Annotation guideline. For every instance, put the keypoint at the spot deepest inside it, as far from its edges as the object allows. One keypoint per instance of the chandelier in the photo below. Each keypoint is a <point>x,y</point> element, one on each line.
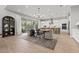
<point>37,13</point>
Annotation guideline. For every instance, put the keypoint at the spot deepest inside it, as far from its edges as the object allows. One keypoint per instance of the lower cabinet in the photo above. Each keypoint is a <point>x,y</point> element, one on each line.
<point>56,30</point>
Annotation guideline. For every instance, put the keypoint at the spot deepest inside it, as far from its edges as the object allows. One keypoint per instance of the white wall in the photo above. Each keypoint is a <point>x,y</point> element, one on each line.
<point>3,13</point>
<point>74,31</point>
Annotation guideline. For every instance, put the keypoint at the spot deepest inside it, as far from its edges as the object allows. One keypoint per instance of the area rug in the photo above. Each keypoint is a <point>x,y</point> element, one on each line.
<point>48,43</point>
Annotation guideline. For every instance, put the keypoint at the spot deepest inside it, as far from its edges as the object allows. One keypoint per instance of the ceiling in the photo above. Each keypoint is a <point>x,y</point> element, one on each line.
<point>40,11</point>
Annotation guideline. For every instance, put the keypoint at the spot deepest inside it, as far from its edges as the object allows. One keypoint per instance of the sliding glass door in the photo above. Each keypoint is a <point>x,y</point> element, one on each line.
<point>28,25</point>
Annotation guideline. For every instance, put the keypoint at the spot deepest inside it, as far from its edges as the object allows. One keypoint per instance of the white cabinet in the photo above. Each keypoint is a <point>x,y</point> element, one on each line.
<point>75,34</point>
<point>0,30</point>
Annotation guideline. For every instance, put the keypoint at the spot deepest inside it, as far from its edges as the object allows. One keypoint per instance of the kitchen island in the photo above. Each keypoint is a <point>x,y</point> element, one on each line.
<point>48,32</point>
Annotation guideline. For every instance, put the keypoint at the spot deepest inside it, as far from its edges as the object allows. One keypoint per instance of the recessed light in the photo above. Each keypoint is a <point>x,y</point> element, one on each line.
<point>18,10</point>
<point>26,6</point>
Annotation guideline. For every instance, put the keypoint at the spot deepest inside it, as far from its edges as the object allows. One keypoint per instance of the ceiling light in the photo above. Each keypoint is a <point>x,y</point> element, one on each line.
<point>19,10</point>
<point>26,6</point>
<point>48,9</point>
<point>62,5</point>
